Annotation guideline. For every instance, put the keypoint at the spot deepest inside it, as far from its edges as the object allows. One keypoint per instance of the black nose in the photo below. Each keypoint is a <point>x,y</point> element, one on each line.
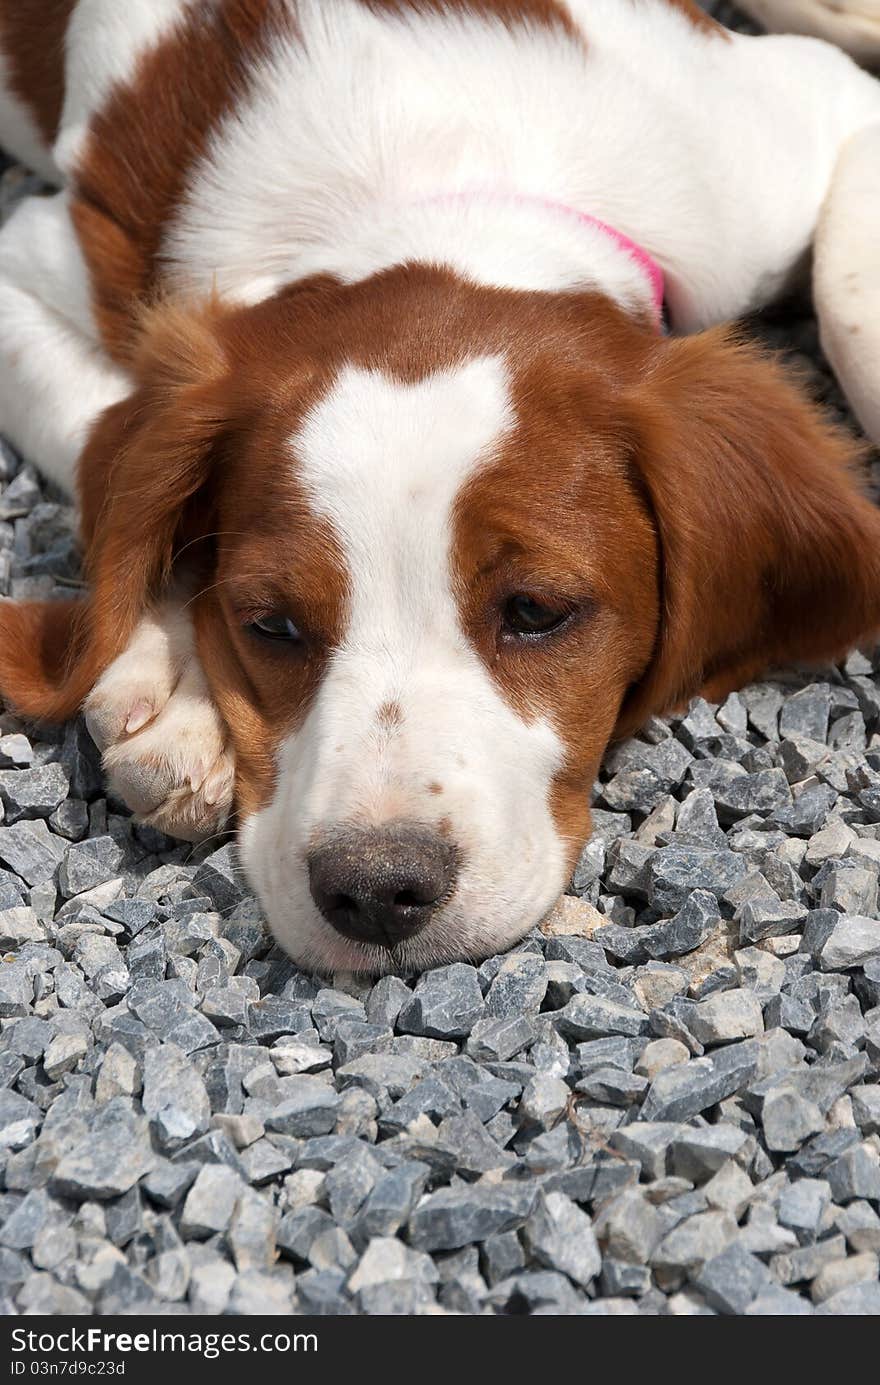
<point>382,885</point>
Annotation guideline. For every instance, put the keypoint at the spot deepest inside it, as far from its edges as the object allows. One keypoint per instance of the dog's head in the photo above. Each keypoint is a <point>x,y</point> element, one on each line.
<point>449,541</point>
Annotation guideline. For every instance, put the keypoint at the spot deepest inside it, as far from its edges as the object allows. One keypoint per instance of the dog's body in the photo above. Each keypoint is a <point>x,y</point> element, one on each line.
<point>327,137</point>
<point>399,215</point>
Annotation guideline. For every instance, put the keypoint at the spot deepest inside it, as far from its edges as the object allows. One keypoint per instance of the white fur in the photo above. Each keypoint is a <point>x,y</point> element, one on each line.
<point>164,745</point>
<point>383,462</point>
<point>54,377</point>
<point>846,276</point>
<point>714,155</point>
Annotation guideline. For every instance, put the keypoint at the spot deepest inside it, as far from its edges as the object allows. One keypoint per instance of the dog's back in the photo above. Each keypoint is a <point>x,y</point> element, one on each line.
<point>245,145</point>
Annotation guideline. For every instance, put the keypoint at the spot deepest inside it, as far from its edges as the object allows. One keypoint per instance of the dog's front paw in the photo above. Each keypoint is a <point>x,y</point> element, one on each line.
<point>165,748</point>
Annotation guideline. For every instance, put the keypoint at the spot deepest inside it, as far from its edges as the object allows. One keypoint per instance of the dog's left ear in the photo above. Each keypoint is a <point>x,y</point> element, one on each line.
<point>770,552</point>
<point>144,460</point>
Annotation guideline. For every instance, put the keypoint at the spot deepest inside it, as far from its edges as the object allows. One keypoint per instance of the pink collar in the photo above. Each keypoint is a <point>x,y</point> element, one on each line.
<point>645,261</point>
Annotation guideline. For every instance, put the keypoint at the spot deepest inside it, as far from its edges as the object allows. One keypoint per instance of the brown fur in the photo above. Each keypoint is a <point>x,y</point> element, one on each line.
<point>144,144</point>
<point>771,552</point>
<point>131,513</point>
<point>32,42</point>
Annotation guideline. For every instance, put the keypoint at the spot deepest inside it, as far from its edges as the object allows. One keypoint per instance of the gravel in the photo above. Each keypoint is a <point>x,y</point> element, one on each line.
<point>664,1101</point>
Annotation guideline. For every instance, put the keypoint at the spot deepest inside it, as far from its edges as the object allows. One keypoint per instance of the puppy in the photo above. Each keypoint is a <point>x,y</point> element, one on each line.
<point>397,503</point>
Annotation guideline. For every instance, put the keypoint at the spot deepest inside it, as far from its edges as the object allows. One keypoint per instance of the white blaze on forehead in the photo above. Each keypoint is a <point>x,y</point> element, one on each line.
<point>384,461</point>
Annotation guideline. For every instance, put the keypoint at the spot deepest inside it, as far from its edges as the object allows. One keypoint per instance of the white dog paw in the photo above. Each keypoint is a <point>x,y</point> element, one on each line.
<point>165,747</point>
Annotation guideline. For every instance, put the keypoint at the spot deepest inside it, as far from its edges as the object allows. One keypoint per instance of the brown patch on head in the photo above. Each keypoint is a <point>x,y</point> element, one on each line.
<point>32,34</point>
<point>559,516</point>
<point>434,787</point>
<point>272,555</point>
<point>696,517</point>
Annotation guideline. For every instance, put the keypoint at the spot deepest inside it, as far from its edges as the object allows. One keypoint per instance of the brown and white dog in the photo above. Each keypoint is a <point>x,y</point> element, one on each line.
<point>396,504</point>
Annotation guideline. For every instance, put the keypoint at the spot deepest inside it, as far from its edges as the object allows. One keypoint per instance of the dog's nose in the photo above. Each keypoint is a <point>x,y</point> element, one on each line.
<point>382,885</point>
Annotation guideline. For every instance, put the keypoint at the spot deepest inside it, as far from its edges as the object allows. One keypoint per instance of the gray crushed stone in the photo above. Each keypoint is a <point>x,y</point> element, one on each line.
<point>664,1101</point>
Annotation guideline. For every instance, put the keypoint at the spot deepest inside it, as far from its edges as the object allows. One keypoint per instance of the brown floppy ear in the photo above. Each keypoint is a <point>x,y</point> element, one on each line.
<point>144,458</point>
<point>770,550</point>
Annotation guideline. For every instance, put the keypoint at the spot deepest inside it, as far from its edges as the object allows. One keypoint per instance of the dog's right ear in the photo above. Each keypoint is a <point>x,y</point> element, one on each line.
<point>145,458</point>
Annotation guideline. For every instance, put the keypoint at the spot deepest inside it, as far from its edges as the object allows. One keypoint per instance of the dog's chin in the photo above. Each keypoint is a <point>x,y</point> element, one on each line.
<point>487,915</point>
<point>314,946</point>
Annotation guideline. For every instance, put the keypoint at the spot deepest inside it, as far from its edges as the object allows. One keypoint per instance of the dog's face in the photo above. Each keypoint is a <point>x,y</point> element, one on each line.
<point>449,541</point>
<point>436,582</point>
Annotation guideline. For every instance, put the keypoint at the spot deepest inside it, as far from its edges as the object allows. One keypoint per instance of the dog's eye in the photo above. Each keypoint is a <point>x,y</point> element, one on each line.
<point>275,628</point>
<point>523,615</point>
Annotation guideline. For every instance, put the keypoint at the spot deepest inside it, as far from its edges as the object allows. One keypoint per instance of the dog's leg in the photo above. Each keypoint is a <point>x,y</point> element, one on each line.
<point>54,377</point>
<point>164,744</point>
<point>847,275</point>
